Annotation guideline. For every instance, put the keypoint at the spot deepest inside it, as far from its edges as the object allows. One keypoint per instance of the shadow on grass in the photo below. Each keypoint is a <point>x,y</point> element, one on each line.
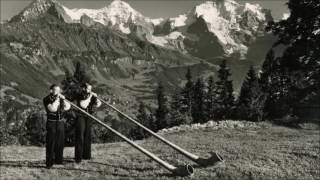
<point>23,163</point>
<point>41,164</point>
<point>142,169</point>
<point>152,171</point>
<point>295,123</point>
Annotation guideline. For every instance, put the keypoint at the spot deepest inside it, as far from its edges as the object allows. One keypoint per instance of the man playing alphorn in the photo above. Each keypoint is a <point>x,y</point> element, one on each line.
<point>54,105</point>
<point>86,100</point>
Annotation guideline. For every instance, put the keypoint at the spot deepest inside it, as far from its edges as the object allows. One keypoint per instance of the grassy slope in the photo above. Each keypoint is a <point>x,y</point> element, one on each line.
<point>271,152</point>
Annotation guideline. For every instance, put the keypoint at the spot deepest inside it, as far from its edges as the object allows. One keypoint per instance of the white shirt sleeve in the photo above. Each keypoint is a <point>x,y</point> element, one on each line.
<point>67,106</point>
<point>85,103</point>
<point>54,106</point>
<point>98,103</point>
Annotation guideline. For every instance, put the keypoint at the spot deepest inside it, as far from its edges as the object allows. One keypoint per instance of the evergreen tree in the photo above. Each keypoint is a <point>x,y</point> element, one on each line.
<point>162,110</point>
<point>152,121</point>
<point>176,117</point>
<point>267,69</point>
<point>176,100</point>
<point>186,94</point>
<point>198,108</point>
<point>269,85</point>
<point>247,87</point>
<point>250,94</point>
<point>210,99</point>
<point>295,81</point>
<point>224,91</point>
<point>143,118</point>
<point>71,85</point>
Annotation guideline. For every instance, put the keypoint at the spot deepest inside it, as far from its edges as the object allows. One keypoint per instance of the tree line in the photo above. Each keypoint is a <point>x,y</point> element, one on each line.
<point>287,86</point>
<point>202,100</point>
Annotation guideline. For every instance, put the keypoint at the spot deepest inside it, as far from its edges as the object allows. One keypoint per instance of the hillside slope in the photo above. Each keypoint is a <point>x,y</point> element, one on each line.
<point>263,151</point>
<point>44,40</point>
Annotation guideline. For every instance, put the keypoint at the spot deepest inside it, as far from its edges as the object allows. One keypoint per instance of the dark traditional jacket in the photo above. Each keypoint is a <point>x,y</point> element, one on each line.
<point>92,103</point>
<point>53,115</point>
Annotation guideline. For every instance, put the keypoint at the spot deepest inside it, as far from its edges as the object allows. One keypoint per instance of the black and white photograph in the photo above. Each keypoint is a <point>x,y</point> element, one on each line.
<point>160,89</point>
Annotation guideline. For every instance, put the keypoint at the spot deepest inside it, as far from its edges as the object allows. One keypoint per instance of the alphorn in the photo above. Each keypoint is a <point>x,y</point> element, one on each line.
<point>212,160</point>
<point>186,170</point>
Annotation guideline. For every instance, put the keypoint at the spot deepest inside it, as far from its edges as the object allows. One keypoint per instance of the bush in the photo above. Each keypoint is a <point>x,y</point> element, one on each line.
<point>36,128</point>
<point>12,122</point>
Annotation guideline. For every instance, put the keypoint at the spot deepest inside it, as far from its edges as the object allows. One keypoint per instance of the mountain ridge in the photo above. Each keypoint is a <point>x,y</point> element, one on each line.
<point>235,26</point>
<point>122,65</point>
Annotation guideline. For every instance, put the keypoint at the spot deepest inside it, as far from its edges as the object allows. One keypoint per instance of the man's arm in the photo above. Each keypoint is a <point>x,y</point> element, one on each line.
<point>96,100</point>
<point>66,105</point>
<point>85,103</point>
<point>53,107</point>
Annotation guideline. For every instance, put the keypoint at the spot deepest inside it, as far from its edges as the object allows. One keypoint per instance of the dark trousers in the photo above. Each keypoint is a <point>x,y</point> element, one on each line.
<point>54,142</point>
<point>83,138</point>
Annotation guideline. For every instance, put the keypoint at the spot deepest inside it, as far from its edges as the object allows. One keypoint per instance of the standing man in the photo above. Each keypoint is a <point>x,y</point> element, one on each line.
<point>87,100</point>
<point>54,105</point>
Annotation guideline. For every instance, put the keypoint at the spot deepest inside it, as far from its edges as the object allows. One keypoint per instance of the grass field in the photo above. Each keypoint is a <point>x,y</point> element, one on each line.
<point>264,152</point>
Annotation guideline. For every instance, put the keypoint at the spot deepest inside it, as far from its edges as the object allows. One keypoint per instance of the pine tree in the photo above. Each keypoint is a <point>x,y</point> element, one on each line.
<point>162,110</point>
<point>224,91</point>
<point>250,95</point>
<point>186,95</point>
<point>176,117</point>
<point>246,90</point>
<point>293,83</point>
<point>268,83</point>
<point>198,108</point>
<point>71,85</point>
<point>210,99</point>
<point>176,100</point>
<point>143,118</point>
<point>80,74</point>
<point>267,69</point>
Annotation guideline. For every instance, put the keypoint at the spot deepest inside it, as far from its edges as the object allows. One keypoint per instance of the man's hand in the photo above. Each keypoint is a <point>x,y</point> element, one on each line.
<point>94,94</point>
<point>62,96</point>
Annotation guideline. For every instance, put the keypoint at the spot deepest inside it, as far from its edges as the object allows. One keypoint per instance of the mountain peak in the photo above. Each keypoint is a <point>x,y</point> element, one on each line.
<point>228,20</point>
<point>216,7</point>
<point>121,8</point>
<point>119,4</point>
<point>40,5</point>
<point>256,9</point>
<point>117,14</point>
<point>34,9</point>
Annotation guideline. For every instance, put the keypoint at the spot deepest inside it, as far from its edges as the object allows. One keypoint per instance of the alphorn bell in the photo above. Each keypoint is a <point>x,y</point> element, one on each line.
<point>186,170</point>
<point>212,160</point>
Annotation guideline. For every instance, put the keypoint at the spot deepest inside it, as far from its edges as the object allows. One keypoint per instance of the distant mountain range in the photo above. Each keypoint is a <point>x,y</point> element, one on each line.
<point>223,24</point>
<point>125,52</point>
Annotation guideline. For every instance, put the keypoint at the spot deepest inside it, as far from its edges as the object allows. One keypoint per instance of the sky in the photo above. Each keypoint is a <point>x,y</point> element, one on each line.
<point>149,8</point>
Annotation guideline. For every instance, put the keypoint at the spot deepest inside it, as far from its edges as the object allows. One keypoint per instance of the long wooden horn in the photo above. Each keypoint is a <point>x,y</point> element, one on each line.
<point>186,170</point>
<point>212,160</point>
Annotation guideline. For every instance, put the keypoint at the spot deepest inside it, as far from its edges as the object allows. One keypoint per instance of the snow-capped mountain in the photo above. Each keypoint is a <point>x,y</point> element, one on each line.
<point>117,43</point>
<point>118,14</point>
<point>213,28</point>
<point>40,7</point>
<point>235,26</point>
